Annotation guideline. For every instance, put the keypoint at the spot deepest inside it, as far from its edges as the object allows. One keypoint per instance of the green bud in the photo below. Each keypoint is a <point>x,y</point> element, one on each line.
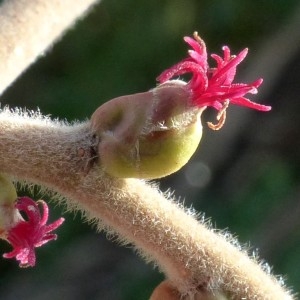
<point>8,192</point>
<point>147,135</point>
<point>8,196</point>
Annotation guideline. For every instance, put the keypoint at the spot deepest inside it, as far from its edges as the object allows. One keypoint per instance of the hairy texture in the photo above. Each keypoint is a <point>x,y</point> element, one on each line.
<point>29,27</point>
<point>193,256</point>
<point>60,157</point>
<point>166,291</point>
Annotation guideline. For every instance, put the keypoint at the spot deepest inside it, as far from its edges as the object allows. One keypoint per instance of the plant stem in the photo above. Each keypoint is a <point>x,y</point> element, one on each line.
<point>190,254</point>
<point>60,157</point>
<point>29,27</point>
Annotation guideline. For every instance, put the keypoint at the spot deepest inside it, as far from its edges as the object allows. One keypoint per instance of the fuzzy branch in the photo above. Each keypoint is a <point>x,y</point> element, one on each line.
<point>192,256</point>
<point>59,157</point>
<point>29,27</point>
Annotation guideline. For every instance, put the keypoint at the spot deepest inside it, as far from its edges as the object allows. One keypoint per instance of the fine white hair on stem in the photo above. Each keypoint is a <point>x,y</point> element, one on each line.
<point>29,27</point>
<point>54,154</point>
<point>191,253</point>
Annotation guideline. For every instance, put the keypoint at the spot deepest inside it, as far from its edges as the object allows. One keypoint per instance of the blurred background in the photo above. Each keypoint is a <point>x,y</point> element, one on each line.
<point>245,177</point>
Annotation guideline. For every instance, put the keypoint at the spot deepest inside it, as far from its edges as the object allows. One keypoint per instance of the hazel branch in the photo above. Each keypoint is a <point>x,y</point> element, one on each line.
<point>192,255</point>
<point>29,27</point>
<point>60,157</point>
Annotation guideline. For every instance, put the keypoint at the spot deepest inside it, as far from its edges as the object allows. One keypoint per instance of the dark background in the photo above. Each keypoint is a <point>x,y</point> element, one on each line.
<point>245,177</point>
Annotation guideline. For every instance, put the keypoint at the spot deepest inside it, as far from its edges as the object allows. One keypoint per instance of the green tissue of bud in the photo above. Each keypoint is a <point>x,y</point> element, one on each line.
<point>8,192</point>
<point>148,135</point>
<point>155,155</point>
<point>8,196</point>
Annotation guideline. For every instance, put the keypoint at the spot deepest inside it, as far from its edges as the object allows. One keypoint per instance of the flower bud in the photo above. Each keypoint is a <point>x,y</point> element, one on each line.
<point>8,196</point>
<point>153,134</point>
<point>147,135</point>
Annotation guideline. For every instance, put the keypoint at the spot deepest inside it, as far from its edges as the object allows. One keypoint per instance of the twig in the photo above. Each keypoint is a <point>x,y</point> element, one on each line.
<point>60,157</point>
<point>188,252</point>
<point>29,27</point>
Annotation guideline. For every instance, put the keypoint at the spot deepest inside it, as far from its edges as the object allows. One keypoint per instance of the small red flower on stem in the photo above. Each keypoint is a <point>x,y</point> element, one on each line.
<point>213,86</point>
<point>28,234</point>
<point>153,134</point>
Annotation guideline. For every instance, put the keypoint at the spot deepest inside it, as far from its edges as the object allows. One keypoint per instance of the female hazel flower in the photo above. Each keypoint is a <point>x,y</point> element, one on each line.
<point>25,235</point>
<point>153,134</point>
<point>213,86</point>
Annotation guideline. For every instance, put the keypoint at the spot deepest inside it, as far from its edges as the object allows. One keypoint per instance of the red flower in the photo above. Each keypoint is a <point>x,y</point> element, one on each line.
<point>213,86</point>
<point>26,235</point>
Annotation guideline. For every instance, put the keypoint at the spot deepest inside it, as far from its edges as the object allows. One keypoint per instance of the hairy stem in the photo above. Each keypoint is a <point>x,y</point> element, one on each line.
<point>29,27</point>
<point>60,157</point>
<point>192,256</point>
